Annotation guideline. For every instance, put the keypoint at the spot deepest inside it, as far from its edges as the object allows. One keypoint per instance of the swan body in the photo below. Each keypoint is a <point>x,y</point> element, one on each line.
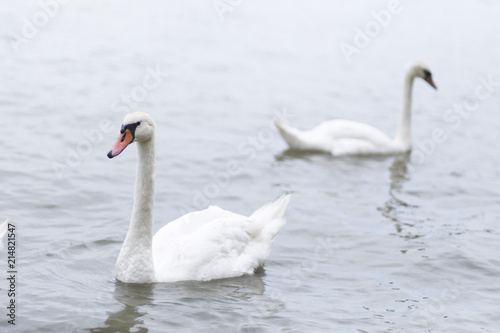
<point>204,245</point>
<point>344,137</point>
<point>339,137</point>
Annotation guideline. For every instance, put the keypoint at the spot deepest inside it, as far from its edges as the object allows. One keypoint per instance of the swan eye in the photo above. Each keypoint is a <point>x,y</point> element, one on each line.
<point>130,127</point>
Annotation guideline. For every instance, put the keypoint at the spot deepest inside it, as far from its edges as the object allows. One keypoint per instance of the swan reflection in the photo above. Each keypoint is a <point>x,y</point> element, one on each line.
<point>132,296</point>
<point>399,173</point>
<point>185,301</point>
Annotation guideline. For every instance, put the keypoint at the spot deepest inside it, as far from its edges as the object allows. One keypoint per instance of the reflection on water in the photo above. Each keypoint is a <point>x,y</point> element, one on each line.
<point>398,175</point>
<point>133,296</point>
<point>289,154</point>
<point>188,296</point>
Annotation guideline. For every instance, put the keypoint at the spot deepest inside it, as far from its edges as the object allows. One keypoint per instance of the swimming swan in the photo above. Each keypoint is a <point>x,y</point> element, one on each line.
<point>344,137</point>
<point>204,245</point>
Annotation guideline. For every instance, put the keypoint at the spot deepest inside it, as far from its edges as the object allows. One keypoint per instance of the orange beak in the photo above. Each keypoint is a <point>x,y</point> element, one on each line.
<point>429,80</point>
<point>123,141</point>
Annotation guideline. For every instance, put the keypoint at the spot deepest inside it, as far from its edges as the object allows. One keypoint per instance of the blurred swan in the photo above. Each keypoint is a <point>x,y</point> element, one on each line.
<point>204,245</point>
<point>344,137</point>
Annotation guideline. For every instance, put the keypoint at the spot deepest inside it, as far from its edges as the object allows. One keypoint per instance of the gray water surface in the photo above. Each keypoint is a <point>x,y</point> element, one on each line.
<point>394,244</point>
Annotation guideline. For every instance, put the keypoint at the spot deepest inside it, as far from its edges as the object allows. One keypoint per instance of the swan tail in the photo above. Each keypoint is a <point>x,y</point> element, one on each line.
<point>297,139</point>
<point>270,217</point>
<point>273,210</point>
<point>292,136</point>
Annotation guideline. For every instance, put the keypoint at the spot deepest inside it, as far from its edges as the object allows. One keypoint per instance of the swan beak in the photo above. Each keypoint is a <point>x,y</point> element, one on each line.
<point>123,141</point>
<point>428,78</point>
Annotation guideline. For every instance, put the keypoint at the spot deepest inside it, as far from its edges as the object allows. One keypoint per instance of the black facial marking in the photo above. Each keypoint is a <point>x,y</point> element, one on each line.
<point>427,73</point>
<point>131,128</point>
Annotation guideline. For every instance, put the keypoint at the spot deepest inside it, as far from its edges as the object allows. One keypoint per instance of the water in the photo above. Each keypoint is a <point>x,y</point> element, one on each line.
<point>397,244</point>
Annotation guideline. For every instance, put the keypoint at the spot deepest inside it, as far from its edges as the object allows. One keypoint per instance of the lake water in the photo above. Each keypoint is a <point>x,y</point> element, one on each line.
<point>396,244</point>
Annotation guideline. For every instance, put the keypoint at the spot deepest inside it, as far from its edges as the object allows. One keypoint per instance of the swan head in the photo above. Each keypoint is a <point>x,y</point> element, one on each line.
<point>137,127</point>
<point>421,70</point>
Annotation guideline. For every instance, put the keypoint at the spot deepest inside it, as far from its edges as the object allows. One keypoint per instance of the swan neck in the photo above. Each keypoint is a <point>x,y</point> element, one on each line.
<point>142,214</point>
<point>403,132</point>
<point>135,262</point>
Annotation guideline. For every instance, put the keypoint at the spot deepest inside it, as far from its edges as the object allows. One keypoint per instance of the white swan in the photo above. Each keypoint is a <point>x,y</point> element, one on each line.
<point>204,245</point>
<point>344,137</point>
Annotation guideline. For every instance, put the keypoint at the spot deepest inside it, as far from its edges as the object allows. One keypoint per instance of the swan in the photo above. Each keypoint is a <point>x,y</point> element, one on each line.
<point>342,137</point>
<point>209,244</point>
